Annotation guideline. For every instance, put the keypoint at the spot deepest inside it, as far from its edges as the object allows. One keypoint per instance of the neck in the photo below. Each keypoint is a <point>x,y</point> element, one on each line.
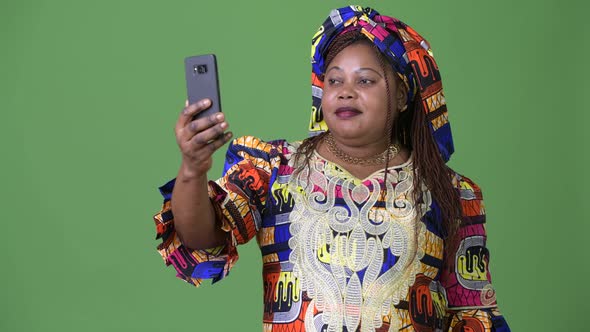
<point>375,153</point>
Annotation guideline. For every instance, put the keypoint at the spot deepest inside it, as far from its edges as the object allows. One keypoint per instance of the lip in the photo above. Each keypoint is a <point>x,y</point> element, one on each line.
<point>347,112</point>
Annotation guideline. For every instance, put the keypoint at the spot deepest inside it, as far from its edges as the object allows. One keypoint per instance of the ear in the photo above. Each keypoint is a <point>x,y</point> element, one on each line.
<point>402,96</point>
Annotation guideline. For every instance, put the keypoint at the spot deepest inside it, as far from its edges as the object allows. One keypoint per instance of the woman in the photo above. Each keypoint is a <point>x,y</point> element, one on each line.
<point>362,226</point>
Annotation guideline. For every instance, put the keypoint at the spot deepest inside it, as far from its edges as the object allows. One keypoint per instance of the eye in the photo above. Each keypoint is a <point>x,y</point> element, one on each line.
<point>332,81</point>
<point>366,81</point>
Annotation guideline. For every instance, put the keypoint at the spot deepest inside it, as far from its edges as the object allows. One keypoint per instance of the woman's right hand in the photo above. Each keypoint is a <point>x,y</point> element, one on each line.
<point>198,139</point>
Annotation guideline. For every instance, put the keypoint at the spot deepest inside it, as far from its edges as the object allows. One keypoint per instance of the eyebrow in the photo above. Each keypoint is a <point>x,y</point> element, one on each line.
<point>358,70</point>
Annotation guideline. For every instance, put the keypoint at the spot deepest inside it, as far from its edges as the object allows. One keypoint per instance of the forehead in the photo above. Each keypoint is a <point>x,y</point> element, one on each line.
<point>356,54</point>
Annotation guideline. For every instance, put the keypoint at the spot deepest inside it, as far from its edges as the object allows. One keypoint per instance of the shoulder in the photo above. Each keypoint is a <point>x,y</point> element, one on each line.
<point>248,147</point>
<point>471,198</point>
<point>468,189</point>
<point>254,142</point>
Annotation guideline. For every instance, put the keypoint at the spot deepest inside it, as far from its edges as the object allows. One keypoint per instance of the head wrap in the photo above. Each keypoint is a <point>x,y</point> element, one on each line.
<point>407,51</point>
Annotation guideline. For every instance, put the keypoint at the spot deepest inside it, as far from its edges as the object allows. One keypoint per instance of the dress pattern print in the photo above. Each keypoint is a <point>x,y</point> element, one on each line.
<point>341,253</point>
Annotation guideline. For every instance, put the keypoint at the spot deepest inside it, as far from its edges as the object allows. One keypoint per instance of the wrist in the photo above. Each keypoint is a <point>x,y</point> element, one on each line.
<point>188,174</point>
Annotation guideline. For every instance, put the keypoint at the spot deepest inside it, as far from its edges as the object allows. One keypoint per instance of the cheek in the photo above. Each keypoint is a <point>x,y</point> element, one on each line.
<point>327,97</point>
<point>380,109</point>
<point>377,101</point>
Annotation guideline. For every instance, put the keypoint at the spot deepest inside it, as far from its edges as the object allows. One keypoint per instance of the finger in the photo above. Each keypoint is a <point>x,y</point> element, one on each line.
<point>199,125</point>
<point>206,136</point>
<point>191,110</point>
<point>215,144</point>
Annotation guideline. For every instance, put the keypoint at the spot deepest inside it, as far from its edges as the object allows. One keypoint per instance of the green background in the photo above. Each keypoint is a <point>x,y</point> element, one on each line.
<point>90,91</point>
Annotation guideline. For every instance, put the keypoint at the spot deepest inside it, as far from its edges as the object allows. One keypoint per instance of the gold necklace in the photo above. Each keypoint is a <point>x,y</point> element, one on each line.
<point>377,159</point>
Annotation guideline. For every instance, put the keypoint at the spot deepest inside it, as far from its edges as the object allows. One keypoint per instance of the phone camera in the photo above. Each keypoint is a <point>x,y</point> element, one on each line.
<point>200,69</point>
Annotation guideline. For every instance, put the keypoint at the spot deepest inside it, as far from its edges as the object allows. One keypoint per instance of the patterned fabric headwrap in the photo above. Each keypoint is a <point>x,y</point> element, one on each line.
<point>407,51</point>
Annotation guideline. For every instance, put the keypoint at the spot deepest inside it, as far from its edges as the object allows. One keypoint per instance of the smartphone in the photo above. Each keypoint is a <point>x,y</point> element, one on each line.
<point>202,81</point>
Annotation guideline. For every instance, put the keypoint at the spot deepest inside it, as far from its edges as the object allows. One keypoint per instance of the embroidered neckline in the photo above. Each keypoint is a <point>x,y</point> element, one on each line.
<point>377,174</point>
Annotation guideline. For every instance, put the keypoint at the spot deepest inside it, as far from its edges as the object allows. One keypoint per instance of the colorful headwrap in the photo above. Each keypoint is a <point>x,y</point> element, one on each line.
<point>407,51</point>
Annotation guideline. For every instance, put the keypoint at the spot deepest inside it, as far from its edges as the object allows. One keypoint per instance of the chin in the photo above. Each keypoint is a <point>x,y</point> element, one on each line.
<point>349,135</point>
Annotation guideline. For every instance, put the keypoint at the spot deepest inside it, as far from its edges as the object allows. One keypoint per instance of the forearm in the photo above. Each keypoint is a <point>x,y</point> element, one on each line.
<point>194,216</point>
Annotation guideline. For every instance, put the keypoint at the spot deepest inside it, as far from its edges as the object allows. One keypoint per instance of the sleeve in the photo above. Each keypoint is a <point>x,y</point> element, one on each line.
<point>465,274</point>
<point>238,198</point>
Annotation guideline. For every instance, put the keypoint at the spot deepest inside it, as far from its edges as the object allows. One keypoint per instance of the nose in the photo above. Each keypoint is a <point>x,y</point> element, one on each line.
<point>346,92</point>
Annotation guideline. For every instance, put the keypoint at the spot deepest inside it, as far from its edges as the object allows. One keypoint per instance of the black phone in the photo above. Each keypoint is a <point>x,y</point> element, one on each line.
<point>202,81</point>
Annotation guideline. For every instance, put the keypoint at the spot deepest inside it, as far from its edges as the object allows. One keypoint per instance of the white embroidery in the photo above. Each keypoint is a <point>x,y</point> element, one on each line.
<point>330,244</point>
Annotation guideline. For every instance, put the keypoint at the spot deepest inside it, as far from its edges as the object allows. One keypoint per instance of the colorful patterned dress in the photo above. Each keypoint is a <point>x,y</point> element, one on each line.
<point>341,253</point>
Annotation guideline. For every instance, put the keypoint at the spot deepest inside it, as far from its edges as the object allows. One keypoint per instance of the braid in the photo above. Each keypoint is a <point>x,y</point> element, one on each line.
<point>305,150</point>
<point>436,175</point>
<point>389,132</point>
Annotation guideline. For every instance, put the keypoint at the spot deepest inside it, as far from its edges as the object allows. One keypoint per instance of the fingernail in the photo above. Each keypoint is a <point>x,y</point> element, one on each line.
<point>219,116</point>
<point>206,102</point>
<point>223,125</point>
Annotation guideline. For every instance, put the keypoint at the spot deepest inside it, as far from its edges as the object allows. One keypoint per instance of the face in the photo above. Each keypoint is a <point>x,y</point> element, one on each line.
<point>354,102</point>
